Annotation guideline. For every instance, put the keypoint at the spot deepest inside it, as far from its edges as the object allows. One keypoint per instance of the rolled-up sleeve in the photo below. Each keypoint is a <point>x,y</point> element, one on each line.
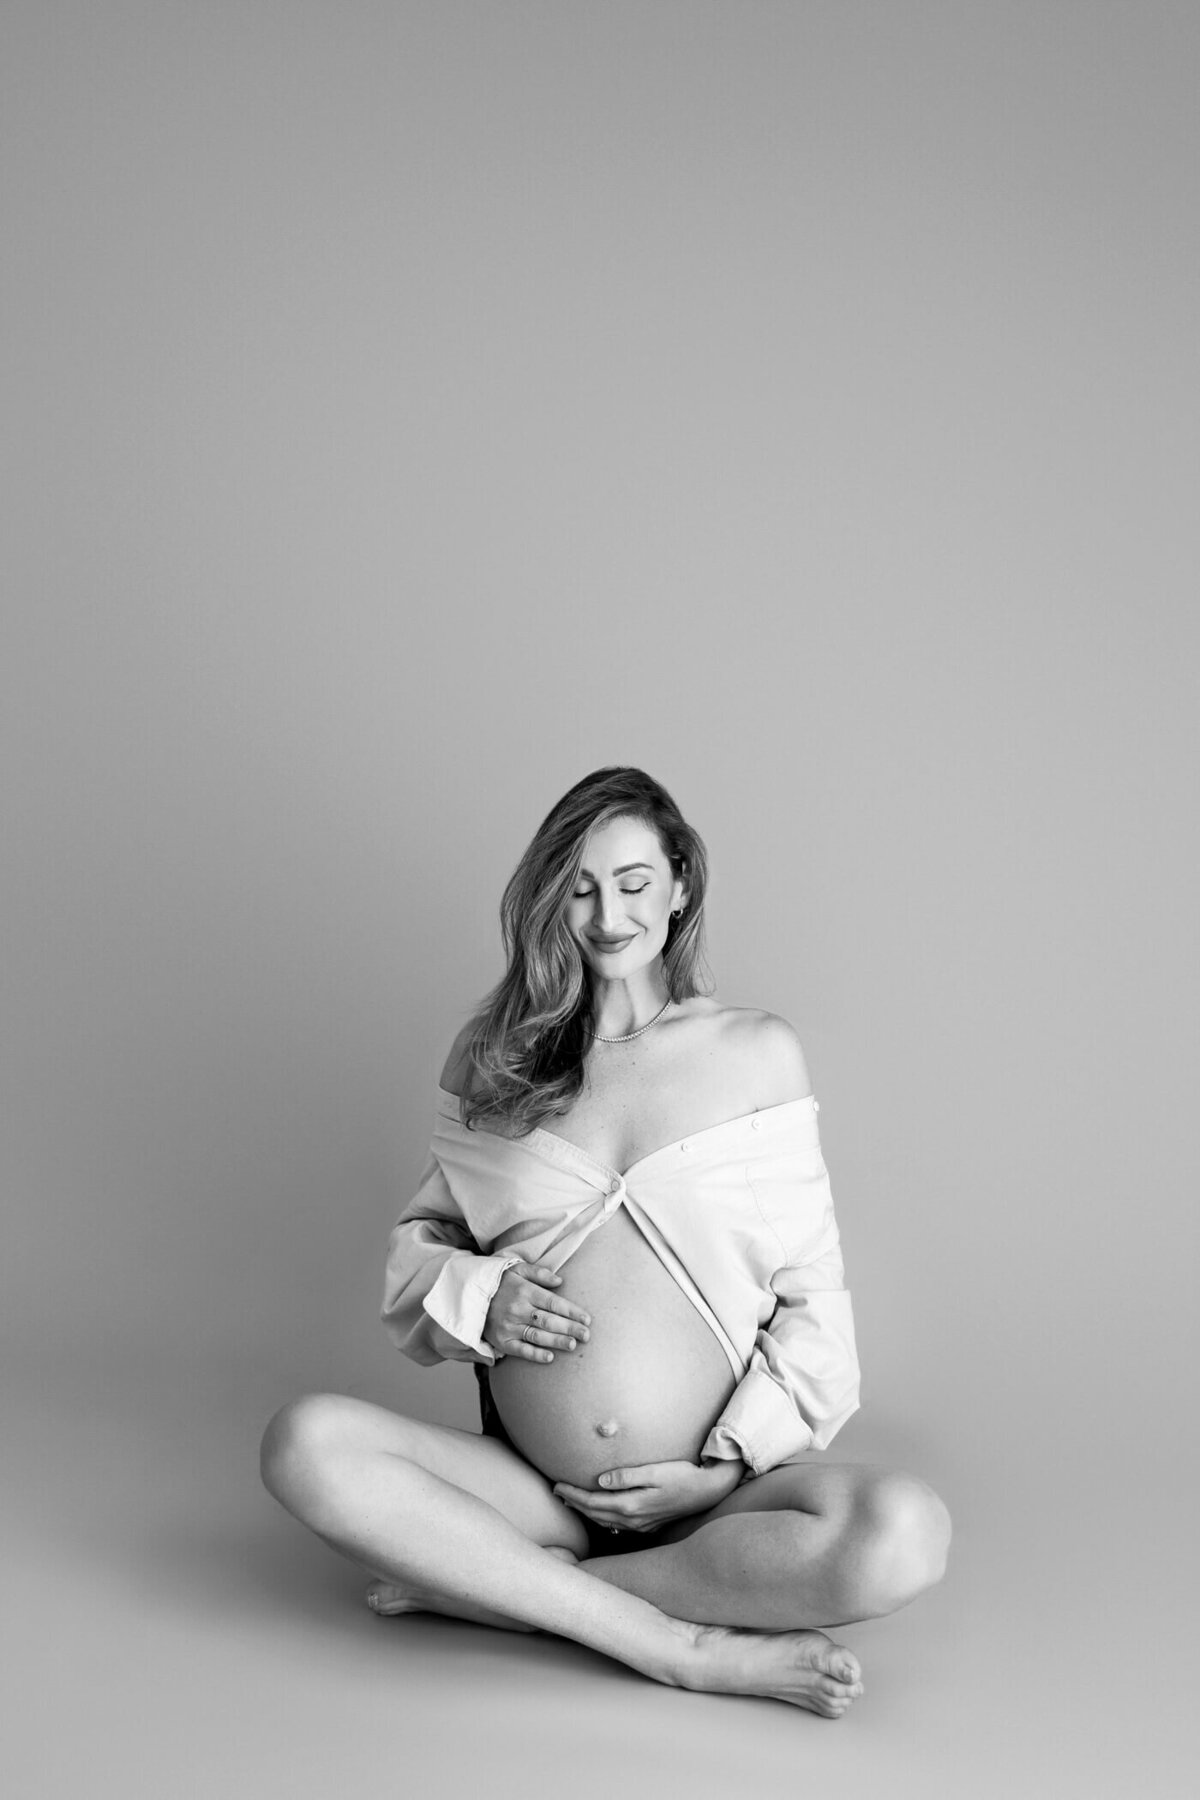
<point>802,1382</point>
<point>438,1285</point>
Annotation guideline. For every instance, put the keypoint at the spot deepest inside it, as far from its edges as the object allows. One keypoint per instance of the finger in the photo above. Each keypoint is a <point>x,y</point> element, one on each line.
<point>537,1272</point>
<point>583,1502</point>
<point>520,1346</point>
<point>584,1510</point>
<point>646,1476</point>
<point>600,1505</point>
<point>575,1496</point>
<point>540,1330</point>
<point>546,1318</point>
<point>568,1309</point>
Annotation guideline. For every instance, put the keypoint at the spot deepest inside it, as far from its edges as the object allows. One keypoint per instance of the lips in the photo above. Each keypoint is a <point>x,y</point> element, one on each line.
<point>611,945</point>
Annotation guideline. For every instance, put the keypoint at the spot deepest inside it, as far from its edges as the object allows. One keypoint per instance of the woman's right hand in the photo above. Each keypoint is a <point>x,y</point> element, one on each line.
<point>526,1318</point>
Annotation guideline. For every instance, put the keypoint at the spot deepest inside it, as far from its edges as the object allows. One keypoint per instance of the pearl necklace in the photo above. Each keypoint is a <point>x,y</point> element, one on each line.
<point>630,1035</point>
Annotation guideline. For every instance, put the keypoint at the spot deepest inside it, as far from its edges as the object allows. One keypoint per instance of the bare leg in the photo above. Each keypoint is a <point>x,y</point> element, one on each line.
<point>349,1471</point>
<point>305,1441</point>
<point>807,1544</point>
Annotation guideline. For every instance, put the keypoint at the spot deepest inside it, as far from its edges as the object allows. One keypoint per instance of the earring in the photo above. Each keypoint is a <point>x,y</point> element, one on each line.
<point>677,912</point>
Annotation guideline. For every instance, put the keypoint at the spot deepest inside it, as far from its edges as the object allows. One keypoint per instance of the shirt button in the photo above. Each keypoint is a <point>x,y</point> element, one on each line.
<point>614,1187</point>
<point>685,1146</point>
<point>756,1123</point>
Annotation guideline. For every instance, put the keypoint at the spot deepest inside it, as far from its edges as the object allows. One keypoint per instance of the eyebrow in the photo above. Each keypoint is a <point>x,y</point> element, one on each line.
<point>625,869</point>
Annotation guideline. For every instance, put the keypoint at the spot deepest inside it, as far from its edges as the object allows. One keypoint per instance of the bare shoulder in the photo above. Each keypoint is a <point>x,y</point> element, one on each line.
<point>457,1066</point>
<point>767,1053</point>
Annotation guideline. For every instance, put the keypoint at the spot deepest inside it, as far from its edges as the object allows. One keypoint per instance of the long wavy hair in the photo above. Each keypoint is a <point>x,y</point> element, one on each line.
<point>525,1056</point>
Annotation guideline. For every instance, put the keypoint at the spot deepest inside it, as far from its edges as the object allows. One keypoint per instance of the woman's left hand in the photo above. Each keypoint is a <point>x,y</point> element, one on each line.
<point>644,1498</point>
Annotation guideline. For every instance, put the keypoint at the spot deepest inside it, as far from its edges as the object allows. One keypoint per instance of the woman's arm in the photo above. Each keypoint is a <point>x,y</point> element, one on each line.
<point>803,1380</point>
<point>438,1285</point>
<point>447,1301</point>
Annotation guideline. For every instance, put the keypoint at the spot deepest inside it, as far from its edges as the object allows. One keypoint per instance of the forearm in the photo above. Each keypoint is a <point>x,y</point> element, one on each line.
<point>723,1475</point>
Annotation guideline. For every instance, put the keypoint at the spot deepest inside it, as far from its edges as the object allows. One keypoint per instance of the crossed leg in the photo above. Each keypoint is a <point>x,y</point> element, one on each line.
<point>810,1543</point>
<point>459,1524</point>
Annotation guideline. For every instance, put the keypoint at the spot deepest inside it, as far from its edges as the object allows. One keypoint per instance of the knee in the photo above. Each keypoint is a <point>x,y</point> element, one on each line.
<point>903,1532</point>
<point>299,1444</point>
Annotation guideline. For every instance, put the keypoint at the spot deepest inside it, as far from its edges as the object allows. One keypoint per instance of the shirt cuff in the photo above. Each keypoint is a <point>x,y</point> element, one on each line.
<point>760,1424</point>
<point>459,1299</point>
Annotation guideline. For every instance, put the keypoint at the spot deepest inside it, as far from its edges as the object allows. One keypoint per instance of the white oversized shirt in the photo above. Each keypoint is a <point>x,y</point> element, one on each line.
<point>740,1214</point>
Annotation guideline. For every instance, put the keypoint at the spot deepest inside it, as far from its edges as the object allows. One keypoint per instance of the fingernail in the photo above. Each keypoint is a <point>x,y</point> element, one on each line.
<point>570,1343</point>
<point>605,1481</point>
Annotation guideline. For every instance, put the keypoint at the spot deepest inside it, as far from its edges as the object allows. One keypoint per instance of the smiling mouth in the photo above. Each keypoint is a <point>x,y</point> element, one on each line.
<point>611,944</point>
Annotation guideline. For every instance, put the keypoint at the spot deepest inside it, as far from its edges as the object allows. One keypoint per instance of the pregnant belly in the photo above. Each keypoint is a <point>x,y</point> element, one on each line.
<point>653,1375</point>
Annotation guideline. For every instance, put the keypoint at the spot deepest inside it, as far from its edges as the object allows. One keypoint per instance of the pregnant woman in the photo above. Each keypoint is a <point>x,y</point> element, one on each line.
<point>625,1224</point>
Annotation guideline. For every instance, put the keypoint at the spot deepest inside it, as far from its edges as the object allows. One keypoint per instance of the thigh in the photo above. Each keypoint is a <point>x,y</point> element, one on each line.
<point>826,1490</point>
<point>483,1466</point>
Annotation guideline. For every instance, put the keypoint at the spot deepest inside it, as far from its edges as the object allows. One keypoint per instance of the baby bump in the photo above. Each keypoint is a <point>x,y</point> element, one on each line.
<point>647,1387</point>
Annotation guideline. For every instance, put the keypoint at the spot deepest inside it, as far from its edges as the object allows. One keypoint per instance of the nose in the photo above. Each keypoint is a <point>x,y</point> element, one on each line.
<point>609,913</point>
<point>608,916</point>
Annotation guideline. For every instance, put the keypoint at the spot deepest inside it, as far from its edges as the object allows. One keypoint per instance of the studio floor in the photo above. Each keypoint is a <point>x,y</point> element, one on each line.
<point>169,1632</point>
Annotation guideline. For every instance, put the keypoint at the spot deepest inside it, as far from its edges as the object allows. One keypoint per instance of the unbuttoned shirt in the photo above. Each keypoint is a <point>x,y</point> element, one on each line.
<point>740,1214</point>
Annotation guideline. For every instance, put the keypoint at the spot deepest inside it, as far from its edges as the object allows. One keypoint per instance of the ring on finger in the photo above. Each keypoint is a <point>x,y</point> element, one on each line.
<point>525,1334</point>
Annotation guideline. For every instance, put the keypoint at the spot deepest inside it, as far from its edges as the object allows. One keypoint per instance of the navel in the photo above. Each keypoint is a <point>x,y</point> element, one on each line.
<point>609,1428</point>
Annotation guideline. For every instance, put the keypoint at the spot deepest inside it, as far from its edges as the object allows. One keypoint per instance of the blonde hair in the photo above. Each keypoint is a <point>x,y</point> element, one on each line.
<point>525,1055</point>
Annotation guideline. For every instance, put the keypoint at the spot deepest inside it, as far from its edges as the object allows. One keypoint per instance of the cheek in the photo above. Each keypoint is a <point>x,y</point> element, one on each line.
<point>655,923</point>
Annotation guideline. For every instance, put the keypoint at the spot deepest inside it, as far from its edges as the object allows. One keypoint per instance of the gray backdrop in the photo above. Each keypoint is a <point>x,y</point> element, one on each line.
<point>409,408</point>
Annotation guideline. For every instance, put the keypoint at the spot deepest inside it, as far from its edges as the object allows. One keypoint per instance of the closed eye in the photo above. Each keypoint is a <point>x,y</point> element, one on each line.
<point>640,890</point>
<point>588,892</point>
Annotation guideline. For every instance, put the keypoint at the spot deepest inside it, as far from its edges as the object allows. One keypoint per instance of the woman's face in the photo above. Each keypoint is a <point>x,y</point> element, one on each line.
<point>620,908</point>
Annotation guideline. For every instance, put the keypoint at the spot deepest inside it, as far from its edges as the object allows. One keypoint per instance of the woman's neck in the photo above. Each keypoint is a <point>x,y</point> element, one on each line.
<point>619,1007</point>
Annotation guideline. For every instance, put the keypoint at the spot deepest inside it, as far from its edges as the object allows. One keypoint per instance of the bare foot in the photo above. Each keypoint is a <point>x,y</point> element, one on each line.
<point>805,1668</point>
<point>390,1600</point>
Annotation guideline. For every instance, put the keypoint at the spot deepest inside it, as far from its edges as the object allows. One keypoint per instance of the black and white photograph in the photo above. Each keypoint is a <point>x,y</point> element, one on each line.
<point>599,726</point>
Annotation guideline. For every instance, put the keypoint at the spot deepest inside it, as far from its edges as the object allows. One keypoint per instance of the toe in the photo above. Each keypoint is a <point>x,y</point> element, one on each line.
<point>382,1597</point>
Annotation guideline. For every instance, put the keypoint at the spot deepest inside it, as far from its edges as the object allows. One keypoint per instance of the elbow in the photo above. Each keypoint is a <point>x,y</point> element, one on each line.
<point>411,1336</point>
